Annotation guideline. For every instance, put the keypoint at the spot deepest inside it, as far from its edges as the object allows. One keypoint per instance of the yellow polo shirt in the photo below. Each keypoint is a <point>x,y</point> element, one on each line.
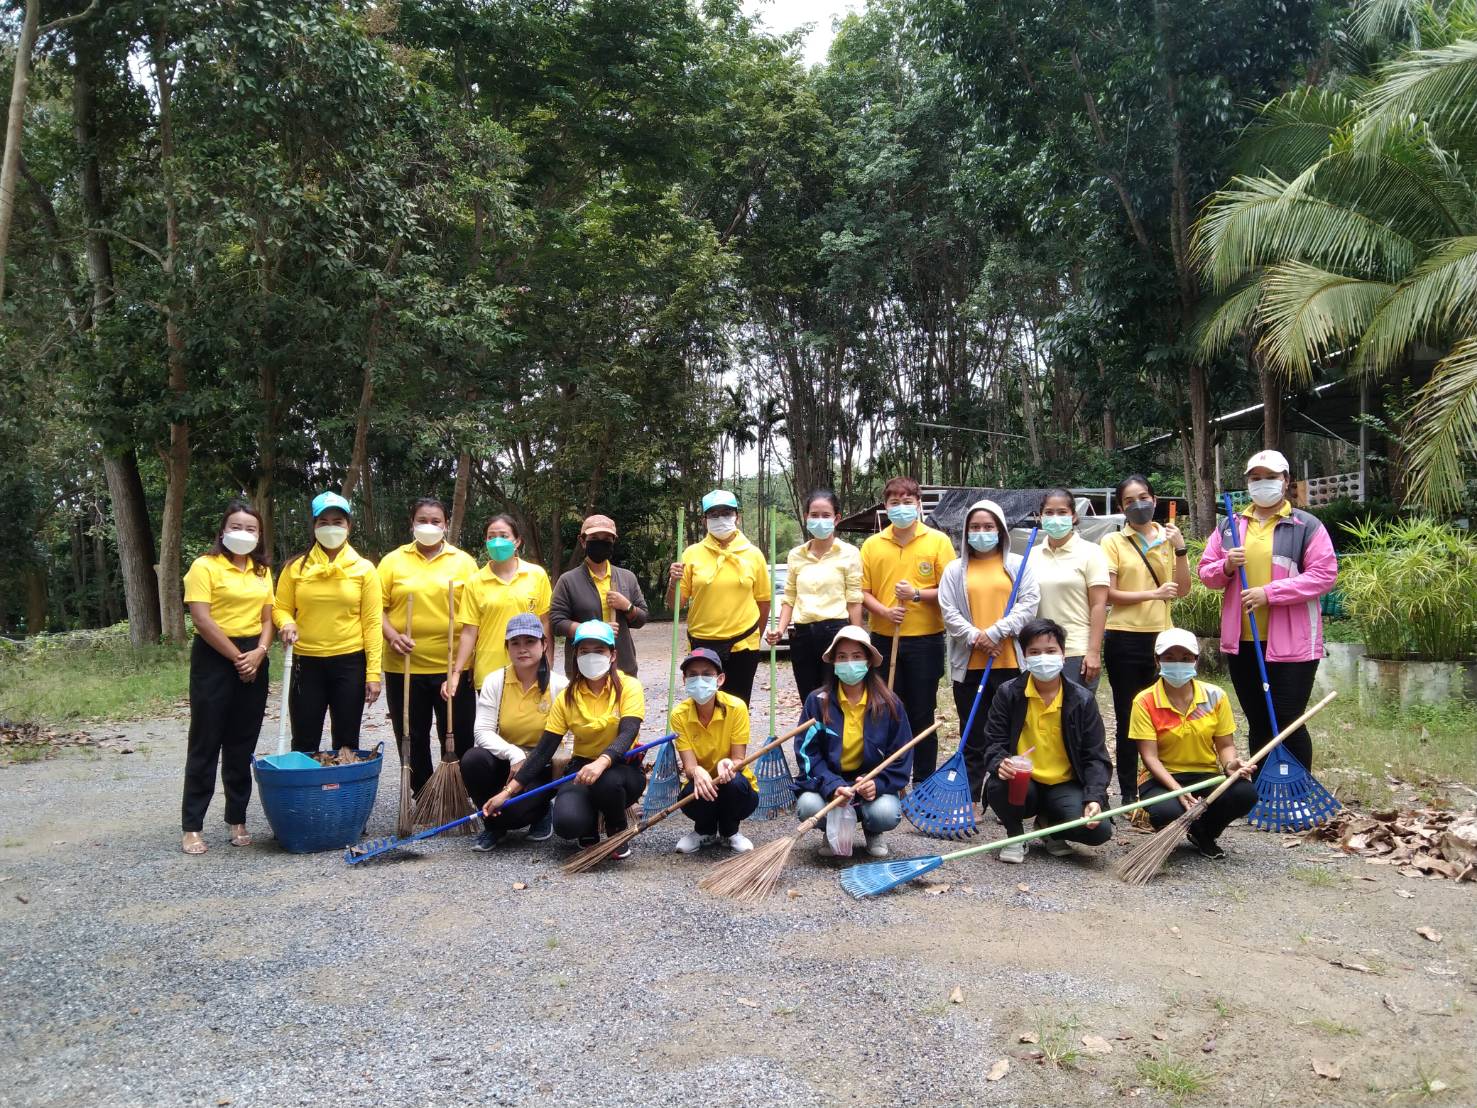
<point>725,586</point>
<point>1256,538</point>
<point>406,572</point>
<point>236,596</point>
<point>1043,730</point>
<point>710,744</point>
<point>593,718</point>
<point>487,602</point>
<point>820,587</point>
<point>1186,740</point>
<point>988,587</point>
<point>921,562</point>
<point>602,586</point>
<point>852,717</point>
<point>1064,575</point>
<point>523,714</point>
<point>1147,615</point>
<point>336,605</point>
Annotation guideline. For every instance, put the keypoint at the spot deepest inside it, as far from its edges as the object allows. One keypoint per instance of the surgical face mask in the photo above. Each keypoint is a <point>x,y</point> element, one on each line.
<point>593,666</point>
<point>331,537</point>
<point>1045,667</point>
<point>428,534</point>
<point>1058,527</point>
<point>984,541</point>
<point>599,550</point>
<point>851,673</point>
<point>1139,511</point>
<point>821,528</point>
<point>239,542</point>
<point>1177,674</point>
<point>1264,494</point>
<point>500,549</point>
<point>720,527</point>
<point>701,687</point>
<point>902,515</point>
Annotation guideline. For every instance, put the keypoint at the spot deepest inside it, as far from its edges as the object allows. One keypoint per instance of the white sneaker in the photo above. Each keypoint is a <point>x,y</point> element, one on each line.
<point>1015,853</point>
<point>689,843</point>
<point>1058,848</point>
<point>739,843</point>
<point>876,847</point>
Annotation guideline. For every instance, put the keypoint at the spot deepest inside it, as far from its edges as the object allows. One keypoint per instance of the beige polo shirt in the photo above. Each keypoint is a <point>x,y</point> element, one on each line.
<point>1065,574</point>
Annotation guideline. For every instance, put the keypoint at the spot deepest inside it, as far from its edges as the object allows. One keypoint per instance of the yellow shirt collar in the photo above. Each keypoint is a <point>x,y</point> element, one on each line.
<point>1033,693</point>
<point>1283,511</point>
<point>1161,696</point>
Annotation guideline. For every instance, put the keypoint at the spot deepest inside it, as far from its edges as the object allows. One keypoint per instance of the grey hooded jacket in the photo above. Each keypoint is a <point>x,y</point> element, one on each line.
<point>954,600</point>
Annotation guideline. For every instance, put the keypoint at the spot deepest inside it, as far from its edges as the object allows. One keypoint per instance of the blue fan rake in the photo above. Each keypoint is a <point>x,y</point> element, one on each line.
<point>772,770</point>
<point>664,783</point>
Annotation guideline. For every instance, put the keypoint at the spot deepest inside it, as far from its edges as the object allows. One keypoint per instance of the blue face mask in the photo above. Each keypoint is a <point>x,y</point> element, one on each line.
<point>1058,527</point>
<point>984,541</point>
<point>902,515</point>
<point>701,687</point>
<point>852,673</point>
<point>821,528</point>
<point>1178,674</point>
<point>500,549</point>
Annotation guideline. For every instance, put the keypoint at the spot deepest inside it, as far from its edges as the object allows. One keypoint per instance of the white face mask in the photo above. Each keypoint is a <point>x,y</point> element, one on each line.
<point>720,527</point>
<point>331,537</point>
<point>593,666</point>
<point>701,687</point>
<point>1045,667</point>
<point>428,534</point>
<point>1264,494</point>
<point>239,542</point>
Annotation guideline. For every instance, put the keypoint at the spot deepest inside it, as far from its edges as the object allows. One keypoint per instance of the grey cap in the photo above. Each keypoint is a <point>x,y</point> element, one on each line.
<point>524,623</point>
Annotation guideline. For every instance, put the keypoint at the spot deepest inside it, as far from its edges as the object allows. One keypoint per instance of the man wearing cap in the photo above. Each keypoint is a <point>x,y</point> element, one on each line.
<point>1290,563</point>
<point>712,736</point>
<point>599,590</point>
<point>725,580</point>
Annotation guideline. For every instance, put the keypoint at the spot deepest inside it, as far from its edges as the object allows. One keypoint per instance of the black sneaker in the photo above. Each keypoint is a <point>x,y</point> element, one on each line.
<point>543,829</point>
<point>588,840</point>
<point>1207,846</point>
<point>487,839</point>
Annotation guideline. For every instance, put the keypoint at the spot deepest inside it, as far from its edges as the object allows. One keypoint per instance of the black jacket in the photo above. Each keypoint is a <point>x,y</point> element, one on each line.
<point>576,598</point>
<point>1082,735</point>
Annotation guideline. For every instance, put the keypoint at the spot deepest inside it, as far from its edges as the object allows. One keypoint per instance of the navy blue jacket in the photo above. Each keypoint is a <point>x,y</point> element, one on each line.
<point>818,751</point>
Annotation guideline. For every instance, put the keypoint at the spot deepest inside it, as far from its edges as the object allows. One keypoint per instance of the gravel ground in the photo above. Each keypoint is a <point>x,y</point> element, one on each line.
<point>133,975</point>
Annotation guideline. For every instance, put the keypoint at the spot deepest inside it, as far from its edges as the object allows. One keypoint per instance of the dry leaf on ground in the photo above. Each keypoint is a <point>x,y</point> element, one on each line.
<point>957,996</point>
<point>1430,934</point>
<point>1325,1068</point>
<point>998,1070</point>
<point>1096,1044</point>
<point>1029,1037</point>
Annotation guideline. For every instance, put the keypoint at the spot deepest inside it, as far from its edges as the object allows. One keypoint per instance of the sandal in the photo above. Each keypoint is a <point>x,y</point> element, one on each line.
<point>239,835</point>
<point>193,843</point>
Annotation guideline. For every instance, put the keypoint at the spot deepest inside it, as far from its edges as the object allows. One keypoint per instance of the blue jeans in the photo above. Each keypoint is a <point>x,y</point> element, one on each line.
<point>877,816</point>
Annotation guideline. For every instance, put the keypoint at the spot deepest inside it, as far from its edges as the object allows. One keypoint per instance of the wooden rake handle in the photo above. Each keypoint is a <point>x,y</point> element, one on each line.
<point>449,747</point>
<point>836,802</point>
<point>405,673</point>
<point>1272,744</point>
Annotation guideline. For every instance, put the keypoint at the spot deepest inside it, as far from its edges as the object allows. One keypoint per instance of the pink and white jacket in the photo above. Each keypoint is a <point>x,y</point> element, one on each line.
<point>1304,567</point>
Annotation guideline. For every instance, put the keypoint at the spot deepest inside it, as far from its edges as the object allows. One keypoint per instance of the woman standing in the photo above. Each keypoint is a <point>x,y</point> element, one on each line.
<point>973,594</point>
<point>1147,569</point>
<point>497,592</point>
<point>1289,562</point>
<point>1072,573</point>
<point>599,590</point>
<point>229,591</point>
<point>424,568</point>
<point>823,591</point>
<point>513,708</point>
<point>603,711</point>
<point>329,610</point>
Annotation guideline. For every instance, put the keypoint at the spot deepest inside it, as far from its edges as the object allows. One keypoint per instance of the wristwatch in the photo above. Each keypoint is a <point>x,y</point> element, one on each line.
<point>917,596</point>
<point>1181,552</point>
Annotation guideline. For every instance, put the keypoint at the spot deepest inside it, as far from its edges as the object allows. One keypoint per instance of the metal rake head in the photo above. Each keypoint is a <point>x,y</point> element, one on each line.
<point>876,878</point>
<point>943,805</point>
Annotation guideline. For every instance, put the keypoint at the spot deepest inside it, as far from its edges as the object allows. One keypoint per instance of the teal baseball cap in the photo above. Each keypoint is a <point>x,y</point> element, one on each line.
<point>719,498</point>
<point>594,630</point>
<point>326,500</point>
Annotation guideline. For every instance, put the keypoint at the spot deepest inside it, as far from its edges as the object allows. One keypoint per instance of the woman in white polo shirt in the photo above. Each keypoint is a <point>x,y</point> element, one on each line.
<point>1072,573</point>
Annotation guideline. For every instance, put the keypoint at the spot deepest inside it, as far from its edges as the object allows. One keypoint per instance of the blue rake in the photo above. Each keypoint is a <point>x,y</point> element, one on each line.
<point>375,848</point>
<point>1289,798</point>
<point>876,878</point>
<point>664,783</point>
<point>943,805</point>
<point>776,784</point>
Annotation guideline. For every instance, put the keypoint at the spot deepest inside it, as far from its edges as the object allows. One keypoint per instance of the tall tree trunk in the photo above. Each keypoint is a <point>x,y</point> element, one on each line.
<point>1202,497</point>
<point>1271,405</point>
<point>359,461</point>
<point>10,167</point>
<point>459,495</point>
<point>135,546</point>
<point>35,600</point>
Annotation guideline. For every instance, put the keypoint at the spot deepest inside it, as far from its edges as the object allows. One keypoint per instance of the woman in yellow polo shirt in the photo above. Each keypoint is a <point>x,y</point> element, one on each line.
<point>229,591</point>
<point>329,609</point>
<point>497,592</point>
<point>1186,733</point>
<point>1072,574</point>
<point>712,735</point>
<point>424,568</point>
<point>725,581</point>
<point>1147,569</point>
<point>603,709</point>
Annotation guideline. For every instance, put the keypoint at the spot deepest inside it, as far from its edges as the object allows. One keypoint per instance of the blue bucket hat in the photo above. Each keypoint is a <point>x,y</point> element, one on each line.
<point>594,630</point>
<point>719,498</point>
<point>326,500</point>
<point>524,623</point>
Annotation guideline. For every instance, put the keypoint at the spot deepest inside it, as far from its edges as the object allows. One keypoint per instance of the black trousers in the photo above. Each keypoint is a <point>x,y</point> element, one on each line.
<point>484,774</point>
<point>920,667</point>
<point>808,641</point>
<point>736,802</point>
<point>577,806</point>
<point>426,704</point>
<point>1129,662</point>
<point>739,666</point>
<point>1050,804</point>
<point>1292,688</point>
<point>326,686</point>
<point>225,720</point>
<point>1230,806</point>
<point>974,742</point>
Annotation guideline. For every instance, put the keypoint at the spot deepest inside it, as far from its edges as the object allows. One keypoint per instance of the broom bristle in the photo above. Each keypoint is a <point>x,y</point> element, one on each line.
<point>404,820</point>
<point>751,876</point>
<point>592,856</point>
<point>443,799</point>
<point>1139,865</point>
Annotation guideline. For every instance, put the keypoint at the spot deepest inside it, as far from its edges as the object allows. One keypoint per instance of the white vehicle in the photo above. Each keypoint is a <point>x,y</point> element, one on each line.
<point>778,571</point>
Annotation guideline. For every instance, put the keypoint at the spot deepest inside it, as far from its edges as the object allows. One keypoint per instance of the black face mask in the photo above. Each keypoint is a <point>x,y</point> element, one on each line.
<point>599,550</point>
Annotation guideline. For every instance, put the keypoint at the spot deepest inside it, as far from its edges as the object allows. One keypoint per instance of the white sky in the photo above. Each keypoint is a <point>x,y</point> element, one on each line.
<point>785,15</point>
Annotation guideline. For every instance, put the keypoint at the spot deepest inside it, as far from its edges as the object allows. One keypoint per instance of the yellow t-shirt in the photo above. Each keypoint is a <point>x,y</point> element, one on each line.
<point>818,588</point>
<point>725,586</point>
<point>989,591</point>
<point>593,718</point>
<point>1186,741</point>
<point>602,586</point>
<point>336,605</point>
<point>1256,538</point>
<point>406,572</point>
<point>1064,575</point>
<point>523,714</point>
<point>1132,576</point>
<point>921,562</point>
<point>852,717</point>
<point>236,596</point>
<point>1043,730</point>
<point>487,602</point>
<point>728,728</point>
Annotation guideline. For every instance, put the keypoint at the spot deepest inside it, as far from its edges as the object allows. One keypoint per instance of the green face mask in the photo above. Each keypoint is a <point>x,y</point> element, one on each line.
<point>501,549</point>
<point>851,673</point>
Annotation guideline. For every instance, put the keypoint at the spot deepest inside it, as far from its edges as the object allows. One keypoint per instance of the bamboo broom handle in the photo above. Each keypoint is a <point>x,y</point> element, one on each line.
<point>405,674</point>
<point>836,802</point>
<point>449,749</point>
<point>682,802</point>
<point>1273,743</point>
<point>676,621</point>
<point>773,607</point>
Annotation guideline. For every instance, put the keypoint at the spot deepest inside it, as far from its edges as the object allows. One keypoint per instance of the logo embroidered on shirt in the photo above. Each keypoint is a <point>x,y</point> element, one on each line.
<point>925,569</point>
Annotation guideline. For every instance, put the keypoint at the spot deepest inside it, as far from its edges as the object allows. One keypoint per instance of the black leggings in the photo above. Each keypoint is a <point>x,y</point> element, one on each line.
<point>1230,806</point>
<point>736,802</point>
<point>1292,688</point>
<point>920,666</point>
<point>332,686</point>
<point>484,774</point>
<point>1129,662</point>
<point>426,704</point>
<point>225,720</point>
<point>974,743</point>
<point>1050,804</point>
<point>576,806</point>
<point>808,641</point>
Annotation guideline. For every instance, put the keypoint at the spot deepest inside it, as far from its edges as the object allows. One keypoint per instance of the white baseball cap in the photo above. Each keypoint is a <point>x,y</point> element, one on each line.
<point>1274,460</point>
<point>1176,636</point>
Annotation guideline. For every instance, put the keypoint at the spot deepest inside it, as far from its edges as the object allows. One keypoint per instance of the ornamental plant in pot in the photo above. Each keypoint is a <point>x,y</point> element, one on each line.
<point>1200,613</point>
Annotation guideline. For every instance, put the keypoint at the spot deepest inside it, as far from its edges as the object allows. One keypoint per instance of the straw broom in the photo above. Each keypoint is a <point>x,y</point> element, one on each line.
<point>592,856</point>
<point>1139,866</point>
<point>444,797</point>
<point>753,876</point>
<point>403,825</point>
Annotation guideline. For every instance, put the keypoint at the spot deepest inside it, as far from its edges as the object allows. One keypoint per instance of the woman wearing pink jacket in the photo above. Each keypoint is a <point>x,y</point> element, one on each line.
<point>1290,563</point>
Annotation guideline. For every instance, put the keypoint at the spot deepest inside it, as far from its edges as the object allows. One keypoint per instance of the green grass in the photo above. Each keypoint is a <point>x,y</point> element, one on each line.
<point>1333,1027</point>
<point>1423,745</point>
<point>1172,1077</point>
<point>1057,1039</point>
<point>1315,877</point>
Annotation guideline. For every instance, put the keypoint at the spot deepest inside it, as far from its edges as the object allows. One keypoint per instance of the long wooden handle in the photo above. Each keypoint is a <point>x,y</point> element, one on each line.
<point>773,608</point>
<point>897,633</point>
<point>450,746</point>
<point>282,744</point>
<point>836,802</point>
<point>405,671</point>
<point>676,621</point>
<point>1273,743</point>
<point>682,802</point>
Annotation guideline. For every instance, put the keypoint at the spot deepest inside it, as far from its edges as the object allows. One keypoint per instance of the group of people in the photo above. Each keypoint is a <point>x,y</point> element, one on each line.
<point>1037,628</point>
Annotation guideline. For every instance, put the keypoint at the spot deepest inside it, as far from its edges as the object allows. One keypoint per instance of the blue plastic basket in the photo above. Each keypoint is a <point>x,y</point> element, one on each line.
<point>319,809</point>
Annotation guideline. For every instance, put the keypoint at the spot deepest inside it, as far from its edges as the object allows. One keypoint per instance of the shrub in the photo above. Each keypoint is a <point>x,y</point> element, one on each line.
<point>1200,611</point>
<point>1411,586</point>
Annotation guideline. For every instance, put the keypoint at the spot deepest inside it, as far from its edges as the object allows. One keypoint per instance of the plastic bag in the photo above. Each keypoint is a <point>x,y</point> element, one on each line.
<point>840,826</point>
